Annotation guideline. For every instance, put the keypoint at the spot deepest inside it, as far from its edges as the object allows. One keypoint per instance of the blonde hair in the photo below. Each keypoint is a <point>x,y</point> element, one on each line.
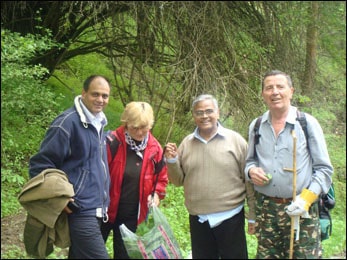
<point>138,114</point>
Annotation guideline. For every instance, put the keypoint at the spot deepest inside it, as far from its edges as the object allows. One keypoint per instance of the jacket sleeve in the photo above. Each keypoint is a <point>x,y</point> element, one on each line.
<point>53,150</point>
<point>321,164</point>
<point>162,182</point>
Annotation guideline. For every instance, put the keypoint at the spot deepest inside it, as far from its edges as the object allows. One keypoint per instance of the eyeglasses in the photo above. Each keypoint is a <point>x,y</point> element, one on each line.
<point>142,128</point>
<point>201,113</point>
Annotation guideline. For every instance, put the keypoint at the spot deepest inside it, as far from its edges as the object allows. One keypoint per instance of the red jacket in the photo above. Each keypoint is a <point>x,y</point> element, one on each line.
<point>152,157</point>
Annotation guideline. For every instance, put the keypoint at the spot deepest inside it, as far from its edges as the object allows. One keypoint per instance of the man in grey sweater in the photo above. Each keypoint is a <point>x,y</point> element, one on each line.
<point>209,165</point>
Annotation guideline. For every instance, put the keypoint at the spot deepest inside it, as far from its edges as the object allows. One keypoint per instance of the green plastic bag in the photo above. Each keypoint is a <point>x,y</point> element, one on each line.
<point>157,243</point>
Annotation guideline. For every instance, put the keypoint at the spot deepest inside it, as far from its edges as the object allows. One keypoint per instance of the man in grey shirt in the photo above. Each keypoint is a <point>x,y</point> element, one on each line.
<point>274,156</point>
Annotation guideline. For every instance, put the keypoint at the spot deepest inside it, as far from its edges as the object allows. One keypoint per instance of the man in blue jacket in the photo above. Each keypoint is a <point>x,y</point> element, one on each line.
<point>75,144</point>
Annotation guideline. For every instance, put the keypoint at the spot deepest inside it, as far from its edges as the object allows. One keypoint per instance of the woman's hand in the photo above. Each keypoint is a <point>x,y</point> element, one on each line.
<point>153,200</point>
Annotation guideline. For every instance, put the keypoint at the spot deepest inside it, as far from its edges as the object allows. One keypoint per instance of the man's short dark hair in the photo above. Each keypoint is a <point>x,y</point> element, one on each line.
<point>87,82</point>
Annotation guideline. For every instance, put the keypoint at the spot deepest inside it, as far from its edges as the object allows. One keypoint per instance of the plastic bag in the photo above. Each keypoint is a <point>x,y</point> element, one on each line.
<point>158,243</point>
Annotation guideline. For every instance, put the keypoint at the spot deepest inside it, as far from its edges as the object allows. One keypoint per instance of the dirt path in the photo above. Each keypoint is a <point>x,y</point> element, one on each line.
<point>12,232</point>
<point>12,245</point>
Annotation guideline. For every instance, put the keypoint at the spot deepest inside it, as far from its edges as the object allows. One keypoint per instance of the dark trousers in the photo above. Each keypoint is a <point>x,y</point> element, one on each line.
<point>86,238</point>
<point>119,250</point>
<point>226,241</point>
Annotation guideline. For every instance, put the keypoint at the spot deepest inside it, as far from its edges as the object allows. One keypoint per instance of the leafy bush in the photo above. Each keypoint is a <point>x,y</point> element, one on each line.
<point>177,215</point>
<point>27,107</point>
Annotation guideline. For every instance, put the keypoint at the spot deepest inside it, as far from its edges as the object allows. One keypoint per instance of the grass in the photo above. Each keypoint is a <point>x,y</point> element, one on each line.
<point>177,216</point>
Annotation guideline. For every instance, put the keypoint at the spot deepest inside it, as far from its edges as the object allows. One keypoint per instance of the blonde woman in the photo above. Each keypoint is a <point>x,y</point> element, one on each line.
<point>138,173</point>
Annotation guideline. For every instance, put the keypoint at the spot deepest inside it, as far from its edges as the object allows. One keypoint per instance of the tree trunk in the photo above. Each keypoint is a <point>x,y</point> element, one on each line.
<point>311,50</point>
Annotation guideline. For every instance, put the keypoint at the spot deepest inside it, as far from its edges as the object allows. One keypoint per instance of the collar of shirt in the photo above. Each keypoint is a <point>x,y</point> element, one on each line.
<point>220,131</point>
<point>291,117</point>
<point>97,120</point>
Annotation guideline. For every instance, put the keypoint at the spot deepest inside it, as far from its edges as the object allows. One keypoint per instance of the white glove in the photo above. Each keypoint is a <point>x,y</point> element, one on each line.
<point>297,208</point>
<point>302,203</point>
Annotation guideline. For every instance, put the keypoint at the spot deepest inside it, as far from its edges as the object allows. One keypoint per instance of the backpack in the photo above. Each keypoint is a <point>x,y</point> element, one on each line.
<point>326,202</point>
<point>113,142</point>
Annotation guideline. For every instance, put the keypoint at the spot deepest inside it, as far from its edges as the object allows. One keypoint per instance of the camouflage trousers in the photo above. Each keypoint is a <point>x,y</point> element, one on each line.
<point>273,226</point>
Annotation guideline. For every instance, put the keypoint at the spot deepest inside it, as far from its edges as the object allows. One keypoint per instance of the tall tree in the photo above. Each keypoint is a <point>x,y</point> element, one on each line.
<point>65,21</point>
<point>311,49</point>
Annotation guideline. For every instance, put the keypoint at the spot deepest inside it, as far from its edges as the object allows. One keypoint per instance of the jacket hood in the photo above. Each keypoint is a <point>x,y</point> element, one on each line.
<point>79,109</point>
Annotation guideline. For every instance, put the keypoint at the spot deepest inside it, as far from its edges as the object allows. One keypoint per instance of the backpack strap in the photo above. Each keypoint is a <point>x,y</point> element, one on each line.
<point>113,142</point>
<point>256,135</point>
<point>300,116</point>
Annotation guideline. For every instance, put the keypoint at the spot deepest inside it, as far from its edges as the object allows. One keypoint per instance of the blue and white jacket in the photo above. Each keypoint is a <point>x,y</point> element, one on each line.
<point>73,145</point>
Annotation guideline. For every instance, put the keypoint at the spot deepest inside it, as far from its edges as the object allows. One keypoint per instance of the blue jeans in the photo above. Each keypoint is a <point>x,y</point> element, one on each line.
<point>86,238</point>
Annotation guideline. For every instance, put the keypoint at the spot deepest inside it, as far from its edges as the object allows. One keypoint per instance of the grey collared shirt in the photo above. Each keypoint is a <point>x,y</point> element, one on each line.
<point>275,155</point>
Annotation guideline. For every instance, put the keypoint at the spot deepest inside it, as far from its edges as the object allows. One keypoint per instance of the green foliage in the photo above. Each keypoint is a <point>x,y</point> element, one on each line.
<point>8,176</point>
<point>337,152</point>
<point>301,99</point>
<point>16,51</point>
<point>337,241</point>
<point>145,226</point>
<point>177,216</point>
<point>251,244</point>
<point>14,252</point>
<point>9,201</point>
<point>326,118</point>
<point>27,107</point>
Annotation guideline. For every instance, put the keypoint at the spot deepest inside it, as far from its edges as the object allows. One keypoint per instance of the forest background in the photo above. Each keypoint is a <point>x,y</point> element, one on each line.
<point>166,53</point>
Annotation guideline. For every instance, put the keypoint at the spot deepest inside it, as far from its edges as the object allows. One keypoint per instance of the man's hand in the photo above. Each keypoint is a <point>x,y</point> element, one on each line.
<point>258,176</point>
<point>251,228</point>
<point>67,209</point>
<point>171,150</point>
<point>297,208</point>
<point>302,203</point>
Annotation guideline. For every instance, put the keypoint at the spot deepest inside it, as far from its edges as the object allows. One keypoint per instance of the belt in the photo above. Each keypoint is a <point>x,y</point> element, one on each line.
<point>279,200</point>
